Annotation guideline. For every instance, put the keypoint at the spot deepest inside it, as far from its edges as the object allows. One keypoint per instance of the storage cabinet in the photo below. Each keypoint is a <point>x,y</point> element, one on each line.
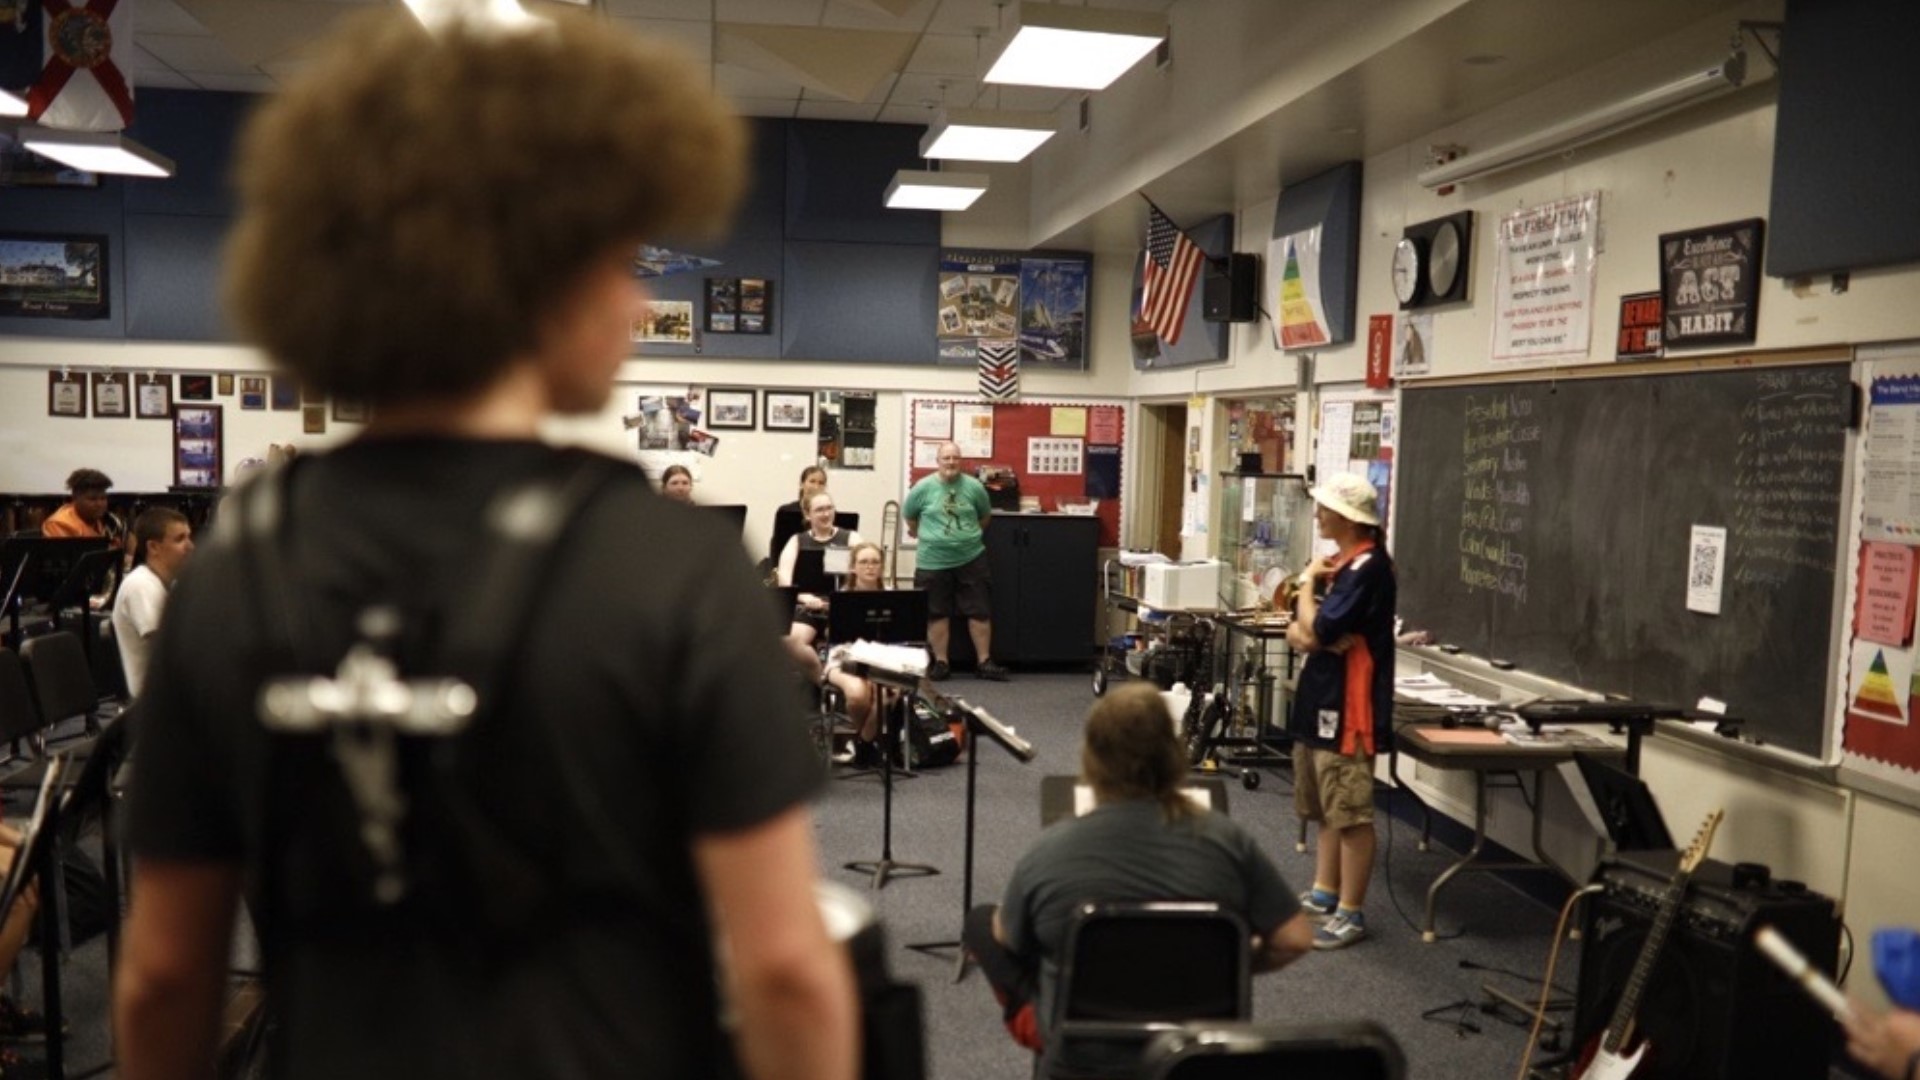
<point>1046,574</point>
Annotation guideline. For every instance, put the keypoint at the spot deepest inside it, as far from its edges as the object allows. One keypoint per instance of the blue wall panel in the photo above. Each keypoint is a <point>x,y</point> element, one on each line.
<point>89,211</point>
<point>173,278</point>
<point>861,302</point>
<point>837,173</point>
<point>197,129</point>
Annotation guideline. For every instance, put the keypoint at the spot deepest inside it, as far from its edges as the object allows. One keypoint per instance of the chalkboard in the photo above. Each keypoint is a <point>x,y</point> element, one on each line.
<point>1550,523</point>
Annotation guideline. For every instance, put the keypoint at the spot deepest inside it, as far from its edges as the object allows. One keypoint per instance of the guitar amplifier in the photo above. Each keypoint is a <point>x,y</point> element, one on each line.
<point>1714,1008</point>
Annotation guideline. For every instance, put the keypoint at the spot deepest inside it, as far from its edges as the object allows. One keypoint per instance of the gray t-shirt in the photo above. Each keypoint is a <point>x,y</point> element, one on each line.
<point>1129,851</point>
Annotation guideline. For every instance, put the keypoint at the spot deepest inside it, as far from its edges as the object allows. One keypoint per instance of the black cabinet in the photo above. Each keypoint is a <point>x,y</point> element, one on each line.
<point>1046,589</point>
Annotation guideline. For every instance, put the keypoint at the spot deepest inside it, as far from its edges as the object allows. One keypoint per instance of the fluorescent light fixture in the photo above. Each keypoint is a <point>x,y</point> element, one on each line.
<point>913,189</point>
<point>1075,48</point>
<point>986,135</point>
<point>1600,123</point>
<point>481,14</point>
<point>95,151</point>
<point>12,104</point>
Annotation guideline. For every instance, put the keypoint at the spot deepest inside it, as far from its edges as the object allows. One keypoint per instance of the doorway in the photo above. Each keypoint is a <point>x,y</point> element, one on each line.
<point>1164,429</point>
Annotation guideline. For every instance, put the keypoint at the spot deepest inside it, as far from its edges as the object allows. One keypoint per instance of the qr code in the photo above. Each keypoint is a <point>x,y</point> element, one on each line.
<point>1701,576</point>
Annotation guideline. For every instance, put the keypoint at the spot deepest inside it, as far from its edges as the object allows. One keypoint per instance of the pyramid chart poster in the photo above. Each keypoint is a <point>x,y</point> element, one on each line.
<point>1881,684</point>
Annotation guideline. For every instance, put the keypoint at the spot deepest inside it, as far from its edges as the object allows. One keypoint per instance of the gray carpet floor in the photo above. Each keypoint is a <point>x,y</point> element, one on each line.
<point>1392,977</point>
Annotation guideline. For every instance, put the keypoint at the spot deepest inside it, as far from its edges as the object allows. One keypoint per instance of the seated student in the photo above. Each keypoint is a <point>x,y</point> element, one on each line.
<point>813,481</point>
<point>819,535</point>
<point>84,516</point>
<point>1142,841</point>
<point>676,483</point>
<point>863,697</point>
<point>164,540</point>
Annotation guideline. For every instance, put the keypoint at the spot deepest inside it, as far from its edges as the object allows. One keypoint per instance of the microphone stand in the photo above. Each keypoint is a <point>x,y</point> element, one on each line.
<point>976,729</point>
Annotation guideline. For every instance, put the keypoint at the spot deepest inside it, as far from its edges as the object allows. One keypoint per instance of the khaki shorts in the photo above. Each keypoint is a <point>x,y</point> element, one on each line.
<point>1331,788</point>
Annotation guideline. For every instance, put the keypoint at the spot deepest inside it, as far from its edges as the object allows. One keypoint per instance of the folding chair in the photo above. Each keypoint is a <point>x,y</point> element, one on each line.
<point>1135,970</point>
<point>62,681</point>
<point>1353,1050</point>
<point>19,717</point>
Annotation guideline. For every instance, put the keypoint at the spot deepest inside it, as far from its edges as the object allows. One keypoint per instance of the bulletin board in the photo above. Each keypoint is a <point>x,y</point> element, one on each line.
<point>1062,451</point>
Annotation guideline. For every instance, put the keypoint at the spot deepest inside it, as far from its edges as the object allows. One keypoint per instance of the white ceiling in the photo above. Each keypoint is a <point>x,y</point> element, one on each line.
<point>248,45</point>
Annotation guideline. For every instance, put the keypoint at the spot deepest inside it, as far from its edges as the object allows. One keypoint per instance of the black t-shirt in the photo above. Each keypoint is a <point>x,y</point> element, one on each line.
<point>647,704</point>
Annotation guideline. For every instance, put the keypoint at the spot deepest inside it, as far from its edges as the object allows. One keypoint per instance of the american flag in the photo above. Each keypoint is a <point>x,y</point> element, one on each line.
<point>1173,263</point>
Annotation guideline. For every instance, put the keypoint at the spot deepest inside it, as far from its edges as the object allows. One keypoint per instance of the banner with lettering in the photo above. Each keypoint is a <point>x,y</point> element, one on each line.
<point>1544,258</point>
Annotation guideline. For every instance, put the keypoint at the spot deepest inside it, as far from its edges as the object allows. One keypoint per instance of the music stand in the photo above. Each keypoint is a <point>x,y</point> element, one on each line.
<point>891,615</point>
<point>978,722</point>
<point>734,512</point>
<point>36,567</point>
<point>39,856</point>
<point>810,572</point>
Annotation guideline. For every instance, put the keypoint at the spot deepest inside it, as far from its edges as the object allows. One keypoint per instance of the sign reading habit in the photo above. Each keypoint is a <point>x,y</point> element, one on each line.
<point>1710,281</point>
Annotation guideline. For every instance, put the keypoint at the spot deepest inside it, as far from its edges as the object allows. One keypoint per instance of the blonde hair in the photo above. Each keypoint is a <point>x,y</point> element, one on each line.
<point>416,206</point>
<point>1130,751</point>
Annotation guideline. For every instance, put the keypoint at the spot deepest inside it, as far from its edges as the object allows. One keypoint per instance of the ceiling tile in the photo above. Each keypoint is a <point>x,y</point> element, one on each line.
<point>243,84</point>
<point>947,54</point>
<point>162,79</point>
<point>696,37</point>
<point>780,108</point>
<point>195,54</point>
<point>165,17</point>
<point>742,82</point>
<point>967,16</point>
<point>905,114</point>
<point>773,12</point>
<point>660,9</point>
<point>878,14</point>
<point>821,109</point>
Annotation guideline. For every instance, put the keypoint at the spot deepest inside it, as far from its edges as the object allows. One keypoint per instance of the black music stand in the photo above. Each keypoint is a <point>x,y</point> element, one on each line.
<point>36,568</point>
<point>39,856</point>
<point>810,572</point>
<point>979,722</point>
<point>733,512</point>
<point>889,617</point>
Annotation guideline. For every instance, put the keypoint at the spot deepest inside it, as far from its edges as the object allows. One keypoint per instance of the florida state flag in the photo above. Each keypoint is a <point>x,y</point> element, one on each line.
<point>83,84</point>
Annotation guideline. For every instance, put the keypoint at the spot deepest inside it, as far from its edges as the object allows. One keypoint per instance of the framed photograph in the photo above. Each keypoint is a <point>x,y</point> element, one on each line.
<point>730,409</point>
<point>66,394</point>
<point>1710,284</point>
<point>286,394</point>
<point>723,304</point>
<point>196,388</point>
<point>53,276</point>
<point>197,446</point>
<point>788,410</point>
<point>153,397</point>
<point>313,419</point>
<point>253,391</point>
<point>349,411</point>
<point>110,393</point>
<point>225,383</point>
<point>665,322</point>
<point>756,306</point>
<point>20,167</point>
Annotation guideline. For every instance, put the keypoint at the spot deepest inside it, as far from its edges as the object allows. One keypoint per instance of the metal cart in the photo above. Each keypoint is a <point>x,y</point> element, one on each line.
<point>1166,647</point>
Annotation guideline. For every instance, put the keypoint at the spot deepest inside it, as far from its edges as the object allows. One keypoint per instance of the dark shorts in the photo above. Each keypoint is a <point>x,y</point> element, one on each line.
<point>964,590</point>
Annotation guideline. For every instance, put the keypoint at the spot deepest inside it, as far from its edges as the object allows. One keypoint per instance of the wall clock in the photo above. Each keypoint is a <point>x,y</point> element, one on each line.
<point>1432,262</point>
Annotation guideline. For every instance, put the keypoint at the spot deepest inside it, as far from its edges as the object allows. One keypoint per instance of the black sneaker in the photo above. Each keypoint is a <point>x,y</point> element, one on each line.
<point>992,672</point>
<point>938,671</point>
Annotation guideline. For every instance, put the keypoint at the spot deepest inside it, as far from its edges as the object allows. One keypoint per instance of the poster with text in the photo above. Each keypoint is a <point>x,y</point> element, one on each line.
<point>1294,260</point>
<point>1544,258</point>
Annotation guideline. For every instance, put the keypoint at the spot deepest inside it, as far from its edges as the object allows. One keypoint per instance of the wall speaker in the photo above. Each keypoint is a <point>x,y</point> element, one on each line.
<point>1714,1008</point>
<point>1230,289</point>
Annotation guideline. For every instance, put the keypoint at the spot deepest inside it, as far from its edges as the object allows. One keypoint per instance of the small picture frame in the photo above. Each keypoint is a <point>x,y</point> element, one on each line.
<point>224,383</point>
<point>197,452</point>
<point>723,304</point>
<point>196,388</point>
<point>756,306</point>
<point>153,397</point>
<point>730,409</point>
<point>253,391</point>
<point>787,410</point>
<point>349,411</point>
<point>286,394</point>
<point>313,419</point>
<point>66,395</point>
<point>110,394</point>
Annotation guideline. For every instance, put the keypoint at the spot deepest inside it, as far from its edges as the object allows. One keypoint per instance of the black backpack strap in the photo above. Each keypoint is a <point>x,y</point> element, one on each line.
<point>525,524</point>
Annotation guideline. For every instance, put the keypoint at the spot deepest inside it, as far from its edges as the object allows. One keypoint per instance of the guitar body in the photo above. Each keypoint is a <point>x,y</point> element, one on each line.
<point>1610,1066</point>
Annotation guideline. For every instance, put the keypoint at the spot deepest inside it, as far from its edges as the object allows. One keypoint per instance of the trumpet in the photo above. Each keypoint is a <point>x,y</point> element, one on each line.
<point>1289,590</point>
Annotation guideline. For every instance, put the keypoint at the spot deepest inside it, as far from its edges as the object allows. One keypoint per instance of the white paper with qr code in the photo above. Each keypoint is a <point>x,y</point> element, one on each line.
<point>1706,568</point>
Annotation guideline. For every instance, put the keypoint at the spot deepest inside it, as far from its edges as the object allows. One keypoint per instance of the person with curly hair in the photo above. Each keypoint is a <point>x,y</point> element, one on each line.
<point>441,222</point>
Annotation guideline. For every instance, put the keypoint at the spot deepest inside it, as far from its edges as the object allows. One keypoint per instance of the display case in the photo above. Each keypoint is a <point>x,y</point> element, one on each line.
<point>1264,533</point>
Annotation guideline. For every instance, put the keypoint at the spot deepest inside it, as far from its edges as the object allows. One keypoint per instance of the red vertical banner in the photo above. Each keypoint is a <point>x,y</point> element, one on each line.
<point>1379,351</point>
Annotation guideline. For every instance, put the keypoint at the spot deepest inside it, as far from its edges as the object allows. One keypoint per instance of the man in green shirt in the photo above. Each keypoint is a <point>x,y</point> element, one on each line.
<point>947,512</point>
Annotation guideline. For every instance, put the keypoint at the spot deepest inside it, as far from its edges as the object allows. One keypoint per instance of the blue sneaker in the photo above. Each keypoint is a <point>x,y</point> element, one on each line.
<point>1318,905</point>
<point>1345,928</point>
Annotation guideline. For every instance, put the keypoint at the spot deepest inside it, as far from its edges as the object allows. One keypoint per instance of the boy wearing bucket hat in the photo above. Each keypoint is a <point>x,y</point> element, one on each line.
<point>1342,711</point>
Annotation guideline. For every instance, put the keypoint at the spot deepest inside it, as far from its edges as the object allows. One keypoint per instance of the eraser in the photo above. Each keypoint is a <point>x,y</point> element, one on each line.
<point>1503,665</point>
<point>1450,650</point>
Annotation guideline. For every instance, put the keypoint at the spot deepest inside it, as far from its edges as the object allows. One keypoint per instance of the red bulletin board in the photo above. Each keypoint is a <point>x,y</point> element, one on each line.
<point>1014,424</point>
